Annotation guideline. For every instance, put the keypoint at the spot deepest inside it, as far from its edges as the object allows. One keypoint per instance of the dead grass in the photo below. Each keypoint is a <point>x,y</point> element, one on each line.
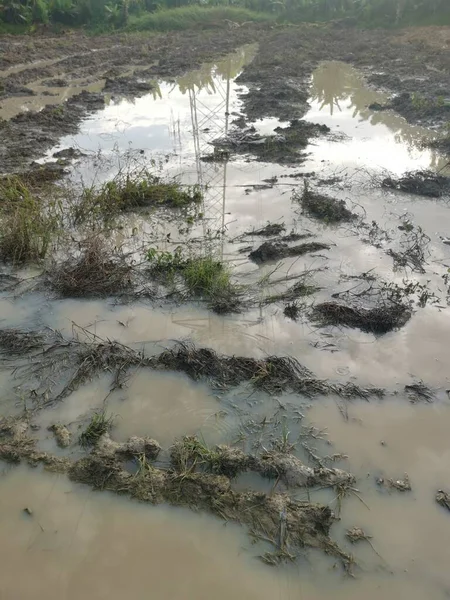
<point>379,320</point>
<point>15,342</point>
<point>62,365</point>
<point>422,183</point>
<point>278,250</point>
<point>96,271</point>
<point>273,374</point>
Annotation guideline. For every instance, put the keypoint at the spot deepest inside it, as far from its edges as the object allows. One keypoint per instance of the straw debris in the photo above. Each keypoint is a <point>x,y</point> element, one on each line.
<point>97,271</point>
<point>378,320</point>
<point>15,342</point>
<point>421,183</point>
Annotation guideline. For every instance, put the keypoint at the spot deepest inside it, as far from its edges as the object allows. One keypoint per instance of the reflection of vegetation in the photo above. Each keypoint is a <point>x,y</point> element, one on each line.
<point>337,85</point>
<point>227,68</point>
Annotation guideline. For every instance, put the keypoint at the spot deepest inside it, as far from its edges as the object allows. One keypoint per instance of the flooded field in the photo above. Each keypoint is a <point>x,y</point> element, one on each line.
<point>235,300</point>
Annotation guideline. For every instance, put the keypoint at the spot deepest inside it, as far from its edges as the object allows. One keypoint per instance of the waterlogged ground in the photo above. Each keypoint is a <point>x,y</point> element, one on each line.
<point>71,541</point>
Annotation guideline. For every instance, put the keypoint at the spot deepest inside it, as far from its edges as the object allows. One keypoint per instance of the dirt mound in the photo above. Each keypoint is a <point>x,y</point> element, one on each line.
<point>421,183</point>
<point>379,320</point>
<point>277,250</point>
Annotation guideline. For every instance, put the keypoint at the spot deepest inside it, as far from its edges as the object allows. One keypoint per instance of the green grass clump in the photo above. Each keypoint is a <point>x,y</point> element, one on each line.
<point>100,424</point>
<point>131,192</point>
<point>200,277</point>
<point>191,17</point>
<point>206,277</point>
<point>27,225</point>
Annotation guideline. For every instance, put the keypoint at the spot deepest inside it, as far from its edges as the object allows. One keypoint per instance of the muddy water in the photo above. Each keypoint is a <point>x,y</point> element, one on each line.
<point>81,543</point>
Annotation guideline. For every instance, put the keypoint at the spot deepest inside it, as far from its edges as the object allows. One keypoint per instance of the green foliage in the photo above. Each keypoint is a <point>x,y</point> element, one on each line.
<point>133,191</point>
<point>190,17</point>
<point>100,424</point>
<point>206,277</point>
<point>167,15</point>
<point>27,226</point>
<point>203,277</point>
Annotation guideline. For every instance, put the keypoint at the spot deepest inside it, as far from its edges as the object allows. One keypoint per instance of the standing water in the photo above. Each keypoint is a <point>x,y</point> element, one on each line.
<point>66,541</point>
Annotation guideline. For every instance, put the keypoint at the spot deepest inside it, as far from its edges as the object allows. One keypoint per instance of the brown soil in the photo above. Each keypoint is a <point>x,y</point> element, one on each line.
<point>278,77</point>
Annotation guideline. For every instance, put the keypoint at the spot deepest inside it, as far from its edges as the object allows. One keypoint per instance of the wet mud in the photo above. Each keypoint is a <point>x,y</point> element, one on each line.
<point>191,320</point>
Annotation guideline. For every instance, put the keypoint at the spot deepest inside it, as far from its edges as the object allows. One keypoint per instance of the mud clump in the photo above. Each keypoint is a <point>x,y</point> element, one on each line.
<point>420,108</point>
<point>326,209</point>
<point>294,473</point>
<point>401,485</point>
<point>379,320</point>
<point>96,272</point>
<point>269,230</point>
<point>138,446</point>
<point>287,524</point>
<point>443,498</point>
<point>420,183</point>
<point>191,455</point>
<point>276,250</point>
<point>128,86</point>
<point>62,435</point>
<point>283,147</point>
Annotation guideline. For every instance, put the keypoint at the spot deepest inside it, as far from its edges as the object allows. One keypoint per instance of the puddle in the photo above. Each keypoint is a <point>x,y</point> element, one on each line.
<point>159,405</point>
<point>390,439</point>
<point>376,139</point>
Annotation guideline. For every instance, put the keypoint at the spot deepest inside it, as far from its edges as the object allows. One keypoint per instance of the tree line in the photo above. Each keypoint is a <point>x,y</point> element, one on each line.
<point>116,12</point>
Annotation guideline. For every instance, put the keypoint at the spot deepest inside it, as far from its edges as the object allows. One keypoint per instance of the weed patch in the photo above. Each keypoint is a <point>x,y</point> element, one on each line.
<point>201,277</point>
<point>192,17</point>
<point>28,227</point>
<point>131,192</point>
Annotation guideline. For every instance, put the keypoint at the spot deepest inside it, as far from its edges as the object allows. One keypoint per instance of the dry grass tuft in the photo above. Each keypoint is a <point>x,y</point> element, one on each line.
<point>95,272</point>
